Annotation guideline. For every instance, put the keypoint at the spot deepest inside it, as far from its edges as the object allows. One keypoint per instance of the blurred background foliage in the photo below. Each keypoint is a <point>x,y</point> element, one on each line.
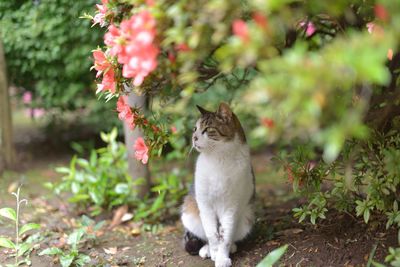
<point>48,51</point>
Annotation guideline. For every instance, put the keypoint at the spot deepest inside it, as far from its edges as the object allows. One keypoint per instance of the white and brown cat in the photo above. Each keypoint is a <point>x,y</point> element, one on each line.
<point>218,210</point>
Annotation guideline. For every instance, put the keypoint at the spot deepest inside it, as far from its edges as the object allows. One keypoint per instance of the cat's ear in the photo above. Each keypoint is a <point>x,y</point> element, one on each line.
<point>224,111</point>
<point>202,110</point>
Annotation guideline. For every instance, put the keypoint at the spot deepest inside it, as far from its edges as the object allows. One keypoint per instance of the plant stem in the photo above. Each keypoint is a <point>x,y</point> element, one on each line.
<point>17,228</point>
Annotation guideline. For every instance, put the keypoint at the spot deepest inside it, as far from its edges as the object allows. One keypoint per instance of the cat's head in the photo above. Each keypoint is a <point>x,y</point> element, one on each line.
<point>216,130</point>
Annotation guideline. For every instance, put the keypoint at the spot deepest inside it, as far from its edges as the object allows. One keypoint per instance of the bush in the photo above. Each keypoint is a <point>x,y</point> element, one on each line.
<point>364,180</point>
<point>47,48</point>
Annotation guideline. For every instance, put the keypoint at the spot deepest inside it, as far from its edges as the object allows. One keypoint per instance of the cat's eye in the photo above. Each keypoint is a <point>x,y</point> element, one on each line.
<point>206,130</point>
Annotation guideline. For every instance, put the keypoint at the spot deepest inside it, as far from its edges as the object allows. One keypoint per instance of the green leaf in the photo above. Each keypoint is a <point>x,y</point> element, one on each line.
<point>122,188</point>
<point>113,134</point>
<point>78,198</point>
<point>28,227</point>
<point>6,243</point>
<point>377,264</point>
<point>8,213</point>
<point>366,215</point>
<point>273,257</point>
<point>63,170</point>
<point>23,248</point>
<point>82,260</point>
<point>66,260</point>
<point>51,251</point>
<point>75,237</point>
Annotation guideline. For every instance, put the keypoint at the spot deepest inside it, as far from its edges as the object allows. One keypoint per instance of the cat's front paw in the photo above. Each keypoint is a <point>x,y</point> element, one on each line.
<point>204,252</point>
<point>213,253</point>
<point>223,262</point>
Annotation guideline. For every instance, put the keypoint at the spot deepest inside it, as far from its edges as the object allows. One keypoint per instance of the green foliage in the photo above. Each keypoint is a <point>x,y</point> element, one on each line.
<point>394,257</point>
<point>102,182</point>
<point>47,49</point>
<point>72,256</point>
<point>364,180</point>
<point>21,248</point>
<point>273,257</point>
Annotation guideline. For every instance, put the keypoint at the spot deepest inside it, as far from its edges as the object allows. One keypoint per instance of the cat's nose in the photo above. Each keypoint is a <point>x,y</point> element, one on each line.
<point>195,138</point>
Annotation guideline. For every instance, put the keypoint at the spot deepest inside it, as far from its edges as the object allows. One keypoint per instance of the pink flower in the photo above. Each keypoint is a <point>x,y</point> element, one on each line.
<point>27,98</point>
<point>150,2</point>
<point>239,28</point>
<point>310,28</point>
<point>125,112</point>
<point>113,39</point>
<point>141,150</point>
<point>173,129</point>
<point>108,83</point>
<point>101,63</point>
<point>100,16</point>
<point>370,27</point>
<point>35,112</point>
<point>133,44</point>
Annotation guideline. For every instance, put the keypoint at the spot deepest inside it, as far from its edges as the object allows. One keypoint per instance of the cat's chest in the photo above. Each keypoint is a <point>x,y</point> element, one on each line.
<point>216,178</point>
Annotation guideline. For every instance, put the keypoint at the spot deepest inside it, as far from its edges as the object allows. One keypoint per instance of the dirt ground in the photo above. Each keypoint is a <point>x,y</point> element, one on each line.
<point>340,240</point>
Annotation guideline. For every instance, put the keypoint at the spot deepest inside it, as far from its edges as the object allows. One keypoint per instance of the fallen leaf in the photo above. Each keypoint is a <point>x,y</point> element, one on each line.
<point>127,217</point>
<point>118,214</point>
<point>111,251</point>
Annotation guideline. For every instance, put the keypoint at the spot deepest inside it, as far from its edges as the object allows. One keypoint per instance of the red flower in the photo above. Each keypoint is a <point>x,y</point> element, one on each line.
<point>260,20</point>
<point>155,129</point>
<point>239,28</point>
<point>381,12</point>
<point>182,47</point>
<point>125,112</point>
<point>267,122</point>
<point>171,57</point>
<point>141,150</point>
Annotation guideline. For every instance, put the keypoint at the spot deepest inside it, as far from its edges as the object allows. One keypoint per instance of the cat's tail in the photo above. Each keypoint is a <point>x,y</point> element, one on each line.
<point>192,243</point>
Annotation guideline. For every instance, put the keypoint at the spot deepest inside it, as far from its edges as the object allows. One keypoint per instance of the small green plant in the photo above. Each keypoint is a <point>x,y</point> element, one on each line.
<point>394,257</point>
<point>164,198</point>
<point>273,257</point>
<point>72,256</point>
<point>20,248</point>
<point>102,181</point>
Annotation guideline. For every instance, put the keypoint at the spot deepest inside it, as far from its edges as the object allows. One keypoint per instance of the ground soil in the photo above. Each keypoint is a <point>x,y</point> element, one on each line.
<point>339,240</point>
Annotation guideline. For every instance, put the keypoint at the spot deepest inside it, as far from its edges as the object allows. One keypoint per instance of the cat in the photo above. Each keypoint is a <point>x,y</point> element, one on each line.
<point>218,211</point>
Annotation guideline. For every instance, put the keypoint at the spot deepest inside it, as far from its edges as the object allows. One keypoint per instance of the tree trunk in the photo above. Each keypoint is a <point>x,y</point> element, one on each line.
<point>136,168</point>
<point>7,153</point>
